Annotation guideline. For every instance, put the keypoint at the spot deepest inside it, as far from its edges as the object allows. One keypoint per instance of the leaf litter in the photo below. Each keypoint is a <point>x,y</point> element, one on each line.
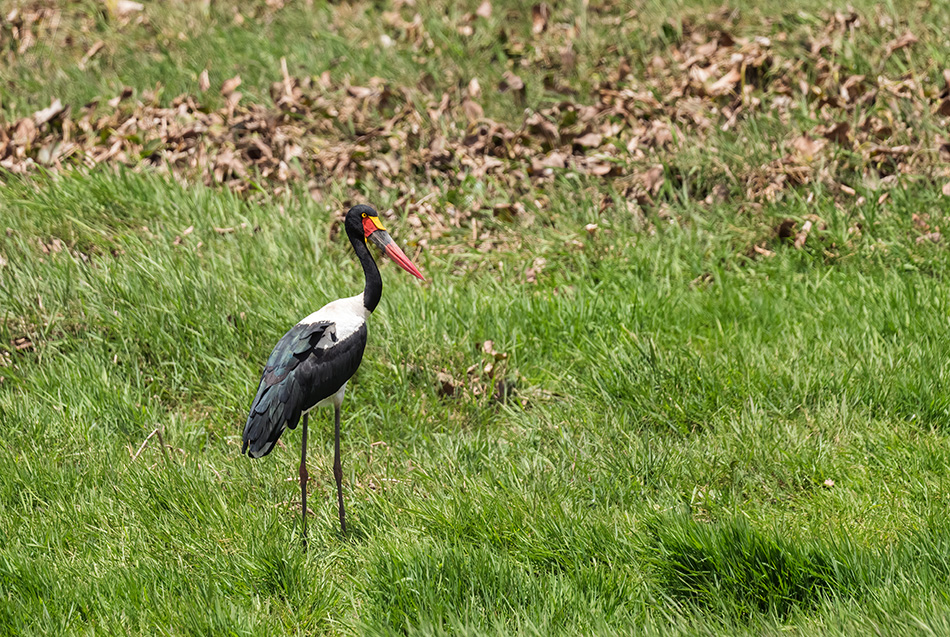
<point>633,129</point>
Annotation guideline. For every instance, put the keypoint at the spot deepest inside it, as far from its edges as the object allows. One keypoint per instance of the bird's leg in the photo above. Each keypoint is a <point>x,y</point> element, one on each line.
<point>303,478</point>
<point>338,469</point>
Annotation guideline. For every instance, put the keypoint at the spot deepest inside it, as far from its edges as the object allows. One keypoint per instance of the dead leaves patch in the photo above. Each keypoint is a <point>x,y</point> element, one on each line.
<point>633,123</point>
<point>489,379</point>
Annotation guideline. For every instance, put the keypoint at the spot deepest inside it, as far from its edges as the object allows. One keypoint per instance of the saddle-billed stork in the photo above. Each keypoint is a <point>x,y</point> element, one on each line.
<point>313,361</point>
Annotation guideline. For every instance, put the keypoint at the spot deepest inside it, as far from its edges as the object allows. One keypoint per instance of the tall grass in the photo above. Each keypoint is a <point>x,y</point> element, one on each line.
<point>764,448</point>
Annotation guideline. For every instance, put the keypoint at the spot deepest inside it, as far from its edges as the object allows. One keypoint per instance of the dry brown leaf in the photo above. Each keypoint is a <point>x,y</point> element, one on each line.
<point>933,237</point>
<point>590,140</point>
<point>360,92</point>
<point>652,179</point>
<point>876,150</point>
<point>474,88</point>
<point>473,111</point>
<point>48,113</point>
<point>484,9</point>
<point>903,41</point>
<point>946,189</point>
<point>125,7</point>
<point>24,133</point>
<point>725,84</point>
<point>90,53</point>
<point>204,83</point>
<point>510,82</point>
<point>807,147</point>
<point>230,85</point>
<point>803,235</point>
<point>539,18</point>
<point>659,135</point>
<point>599,165</point>
<point>233,99</point>
<point>554,159</point>
<point>180,238</point>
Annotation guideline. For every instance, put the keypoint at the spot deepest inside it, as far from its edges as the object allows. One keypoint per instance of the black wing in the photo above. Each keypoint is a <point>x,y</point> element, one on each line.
<point>308,364</point>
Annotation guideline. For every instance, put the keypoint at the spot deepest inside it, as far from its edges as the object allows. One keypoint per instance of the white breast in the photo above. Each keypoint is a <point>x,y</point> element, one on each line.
<point>349,314</point>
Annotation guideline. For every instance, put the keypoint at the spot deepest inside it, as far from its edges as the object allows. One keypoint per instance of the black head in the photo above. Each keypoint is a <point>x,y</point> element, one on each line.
<point>362,222</point>
<point>354,219</point>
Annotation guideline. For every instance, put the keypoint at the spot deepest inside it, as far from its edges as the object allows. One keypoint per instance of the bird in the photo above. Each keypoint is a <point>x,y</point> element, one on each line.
<point>312,363</point>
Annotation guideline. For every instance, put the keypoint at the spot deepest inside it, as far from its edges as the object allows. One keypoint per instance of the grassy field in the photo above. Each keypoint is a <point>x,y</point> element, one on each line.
<point>708,406</point>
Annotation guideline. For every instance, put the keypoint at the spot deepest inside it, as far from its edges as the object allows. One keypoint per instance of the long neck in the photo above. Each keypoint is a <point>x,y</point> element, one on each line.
<point>373,289</point>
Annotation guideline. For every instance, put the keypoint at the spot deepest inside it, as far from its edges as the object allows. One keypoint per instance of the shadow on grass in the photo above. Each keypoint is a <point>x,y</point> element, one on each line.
<point>732,568</point>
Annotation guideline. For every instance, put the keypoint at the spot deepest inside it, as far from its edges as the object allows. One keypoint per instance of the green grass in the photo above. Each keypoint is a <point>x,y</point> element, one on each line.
<point>661,465</point>
<point>686,437</point>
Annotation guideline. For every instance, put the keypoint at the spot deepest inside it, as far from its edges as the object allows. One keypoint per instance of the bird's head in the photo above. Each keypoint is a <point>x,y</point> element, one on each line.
<point>365,219</point>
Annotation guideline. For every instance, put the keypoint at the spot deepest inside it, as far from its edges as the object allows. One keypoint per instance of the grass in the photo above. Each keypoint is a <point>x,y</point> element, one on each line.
<point>667,469</point>
<point>692,440</point>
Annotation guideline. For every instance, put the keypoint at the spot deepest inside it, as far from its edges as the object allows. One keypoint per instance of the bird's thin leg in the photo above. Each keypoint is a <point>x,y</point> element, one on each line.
<point>303,478</point>
<point>338,468</point>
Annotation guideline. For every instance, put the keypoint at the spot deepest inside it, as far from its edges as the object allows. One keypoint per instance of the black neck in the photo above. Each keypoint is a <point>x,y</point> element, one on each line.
<point>373,289</point>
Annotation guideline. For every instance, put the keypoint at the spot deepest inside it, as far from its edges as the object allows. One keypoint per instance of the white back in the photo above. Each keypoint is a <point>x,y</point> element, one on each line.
<point>349,314</point>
